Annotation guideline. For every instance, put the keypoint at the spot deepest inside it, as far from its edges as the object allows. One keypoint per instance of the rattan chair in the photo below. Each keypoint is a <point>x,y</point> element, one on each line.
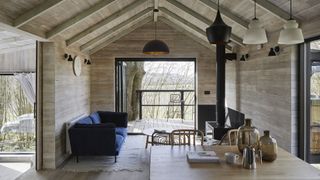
<point>230,138</point>
<point>160,138</point>
<point>186,137</point>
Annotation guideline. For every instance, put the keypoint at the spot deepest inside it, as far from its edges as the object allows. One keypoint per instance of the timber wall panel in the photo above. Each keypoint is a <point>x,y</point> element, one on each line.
<point>131,45</point>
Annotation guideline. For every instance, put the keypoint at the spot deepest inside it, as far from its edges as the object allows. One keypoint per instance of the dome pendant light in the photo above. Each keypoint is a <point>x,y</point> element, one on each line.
<point>256,34</point>
<point>218,32</point>
<point>155,47</point>
<point>291,34</point>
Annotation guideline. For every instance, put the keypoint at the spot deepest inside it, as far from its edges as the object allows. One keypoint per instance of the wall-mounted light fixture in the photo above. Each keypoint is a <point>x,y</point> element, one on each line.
<point>274,51</point>
<point>68,57</point>
<point>244,57</point>
<point>87,61</point>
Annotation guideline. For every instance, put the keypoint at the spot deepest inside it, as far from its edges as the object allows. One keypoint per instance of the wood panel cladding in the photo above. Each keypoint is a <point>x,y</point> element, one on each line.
<point>65,97</point>
<point>181,46</point>
<point>265,89</point>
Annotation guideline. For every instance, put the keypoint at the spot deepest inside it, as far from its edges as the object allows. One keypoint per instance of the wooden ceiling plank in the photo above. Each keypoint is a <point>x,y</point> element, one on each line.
<point>104,22</point>
<point>106,34</point>
<point>35,12</point>
<point>185,32</point>
<point>120,35</point>
<point>156,6</point>
<point>243,23</point>
<point>275,10</point>
<point>184,8</point>
<point>78,18</point>
<point>22,32</point>
<point>185,22</point>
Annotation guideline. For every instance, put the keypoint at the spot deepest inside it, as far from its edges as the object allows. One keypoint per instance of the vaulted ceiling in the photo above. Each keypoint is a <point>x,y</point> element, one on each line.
<point>93,24</point>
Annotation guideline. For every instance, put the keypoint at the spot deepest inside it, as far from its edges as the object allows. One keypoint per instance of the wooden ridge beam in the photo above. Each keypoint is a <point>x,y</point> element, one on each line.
<point>78,18</point>
<point>186,23</point>
<point>104,22</point>
<point>233,17</point>
<point>35,12</point>
<point>185,32</point>
<point>102,37</point>
<point>120,35</point>
<point>184,8</point>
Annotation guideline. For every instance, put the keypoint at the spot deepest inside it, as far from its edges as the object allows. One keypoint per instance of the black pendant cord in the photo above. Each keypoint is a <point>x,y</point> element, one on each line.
<point>218,5</point>
<point>155,31</point>
<point>291,10</point>
<point>255,9</point>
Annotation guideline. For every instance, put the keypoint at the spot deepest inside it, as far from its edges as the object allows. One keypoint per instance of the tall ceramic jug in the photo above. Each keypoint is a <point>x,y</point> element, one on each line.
<point>248,135</point>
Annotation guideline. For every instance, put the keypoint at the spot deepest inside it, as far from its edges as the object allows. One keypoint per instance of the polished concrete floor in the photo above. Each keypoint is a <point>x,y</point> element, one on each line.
<point>133,142</point>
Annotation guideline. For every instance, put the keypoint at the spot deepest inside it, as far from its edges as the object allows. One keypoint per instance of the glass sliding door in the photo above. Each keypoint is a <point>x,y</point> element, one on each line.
<point>314,101</point>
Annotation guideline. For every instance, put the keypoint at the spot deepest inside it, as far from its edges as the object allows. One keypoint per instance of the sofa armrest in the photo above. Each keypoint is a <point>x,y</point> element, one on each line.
<point>92,140</point>
<point>118,118</point>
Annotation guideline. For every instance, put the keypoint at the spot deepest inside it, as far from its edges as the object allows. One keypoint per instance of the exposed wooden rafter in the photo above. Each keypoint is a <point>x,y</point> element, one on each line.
<point>120,35</point>
<point>78,18</point>
<point>184,8</point>
<point>134,19</point>
<point>104,22</point>
<point>233,17</point>
<point>275,10</point>
<point>188,24</point>
<point>35,12</point>
<point>187,33</point>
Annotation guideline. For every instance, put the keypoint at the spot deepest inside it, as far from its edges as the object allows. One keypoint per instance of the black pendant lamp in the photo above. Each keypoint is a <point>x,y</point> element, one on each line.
<point>156,47</point>
<point>218,32</point>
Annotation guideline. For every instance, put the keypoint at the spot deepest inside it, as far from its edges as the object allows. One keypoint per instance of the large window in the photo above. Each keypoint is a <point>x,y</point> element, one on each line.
<point>17,123</point>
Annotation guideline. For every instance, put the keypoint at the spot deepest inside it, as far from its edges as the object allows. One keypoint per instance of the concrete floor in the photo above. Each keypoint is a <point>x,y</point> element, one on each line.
<point>133,142</point>
<point>12,170</point>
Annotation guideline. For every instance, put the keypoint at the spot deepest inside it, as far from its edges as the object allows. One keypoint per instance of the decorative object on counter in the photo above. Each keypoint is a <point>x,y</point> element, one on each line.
<point>249,157</point>
<point>274,51</point>
<point>268,146</point>
<point>231,158</point>
<point>248,135</point>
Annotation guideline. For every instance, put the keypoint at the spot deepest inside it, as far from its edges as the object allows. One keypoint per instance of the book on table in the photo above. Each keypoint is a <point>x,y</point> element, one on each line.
<point>202,157</point>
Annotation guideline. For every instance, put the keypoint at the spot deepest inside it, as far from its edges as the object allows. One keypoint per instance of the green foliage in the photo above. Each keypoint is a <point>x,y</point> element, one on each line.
<point>315,84</point>
<point>13,103</point>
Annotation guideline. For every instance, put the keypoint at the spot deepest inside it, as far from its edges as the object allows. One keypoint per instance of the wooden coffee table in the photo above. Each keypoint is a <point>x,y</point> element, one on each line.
<point>148,132</point>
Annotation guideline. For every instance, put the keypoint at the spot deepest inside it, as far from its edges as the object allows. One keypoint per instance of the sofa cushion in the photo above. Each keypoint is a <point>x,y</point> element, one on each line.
<point>85,120</point>
<point>95,118</point>
<point>105,125</point>
<point>119,141</point>
<point>118,118</point>
<point>121,131</point>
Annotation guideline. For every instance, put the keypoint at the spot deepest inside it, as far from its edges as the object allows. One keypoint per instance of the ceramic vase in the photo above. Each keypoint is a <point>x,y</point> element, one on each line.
<point>248,135</point>
<point>268,147</point>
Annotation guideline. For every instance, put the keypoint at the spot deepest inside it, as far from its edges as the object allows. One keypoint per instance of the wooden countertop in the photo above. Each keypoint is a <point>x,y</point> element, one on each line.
<point>170,163</point>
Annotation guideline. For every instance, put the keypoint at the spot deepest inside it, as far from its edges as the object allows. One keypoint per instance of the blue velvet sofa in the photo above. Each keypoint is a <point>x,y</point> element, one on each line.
<point>101,133</point>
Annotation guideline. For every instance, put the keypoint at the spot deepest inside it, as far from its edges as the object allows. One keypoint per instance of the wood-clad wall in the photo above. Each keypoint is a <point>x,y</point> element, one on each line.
<point>65,97</point>
<point>265,89</point>
<point>181,46</point>
<point>19,61</point>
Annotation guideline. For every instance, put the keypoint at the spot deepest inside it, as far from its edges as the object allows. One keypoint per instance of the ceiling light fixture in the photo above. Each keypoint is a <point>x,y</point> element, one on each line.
<point>156,47</point>
<point>291,34</point>
<point>256,34</point>
<point>218,32</point>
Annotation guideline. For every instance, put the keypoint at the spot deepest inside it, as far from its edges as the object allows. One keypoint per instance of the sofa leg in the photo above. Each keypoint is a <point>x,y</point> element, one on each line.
<point>77,157</point>
<point>115,159</point>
